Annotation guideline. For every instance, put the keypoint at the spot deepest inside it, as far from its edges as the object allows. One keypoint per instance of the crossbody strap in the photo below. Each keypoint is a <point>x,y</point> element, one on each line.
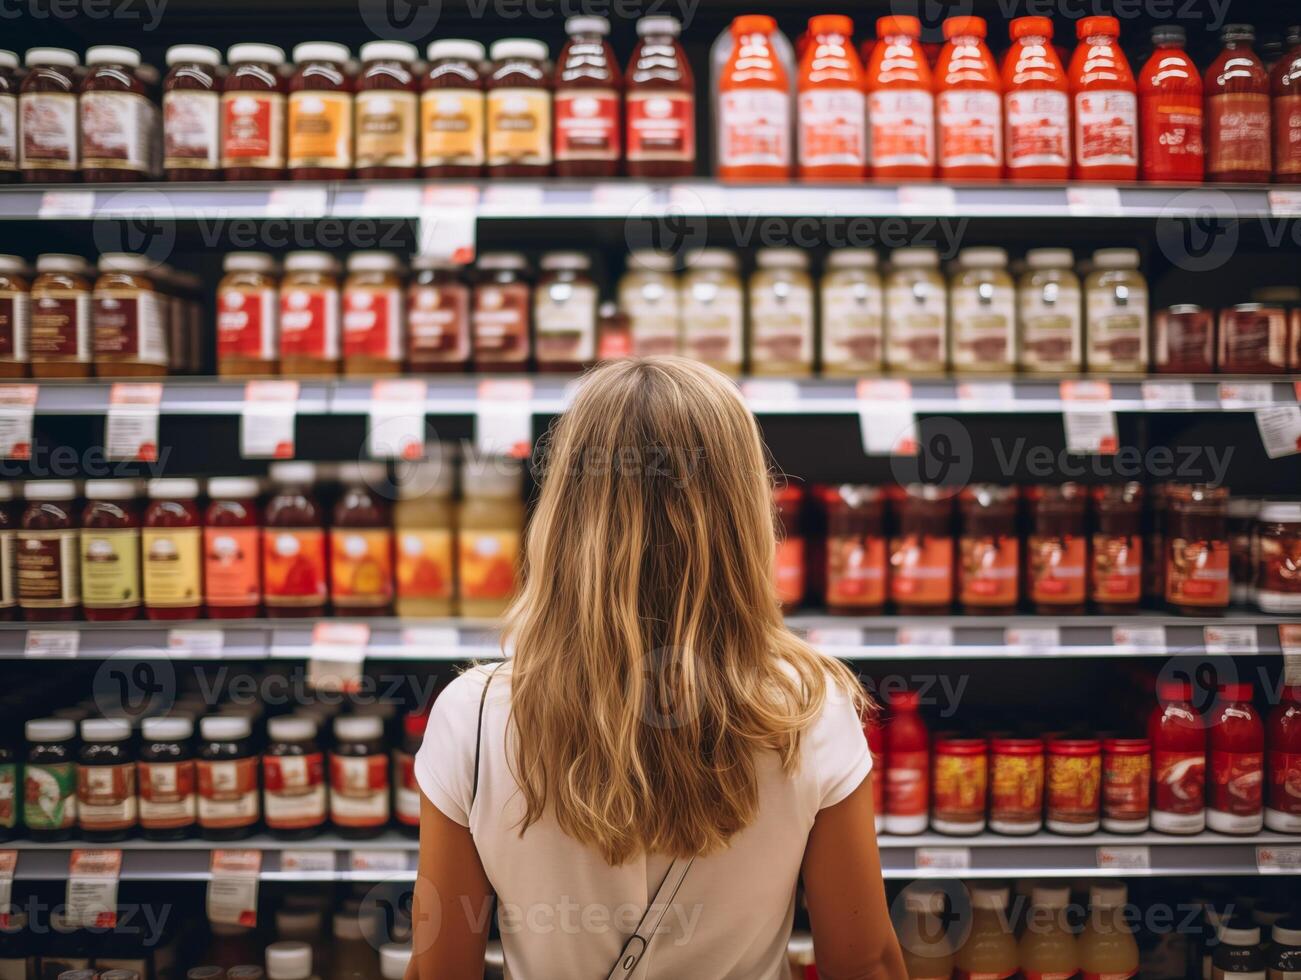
<point>635,948</point>
<point>478,741</point>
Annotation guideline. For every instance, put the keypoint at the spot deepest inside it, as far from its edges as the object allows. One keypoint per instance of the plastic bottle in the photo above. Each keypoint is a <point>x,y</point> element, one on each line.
<point>907,773</point>
<point>1106,944</point>
<point>900,105</point>
<point>989,951</point>
<point>1283,812</point>
<point>1047,948</point>
<point>1237,111</point>
<point>1105,104</point>
<point>831,136</point>
<point>1237,763</point>
<point>1036,104</point>
<point>1178,761</point>
<point>1285,87</point>
<point>969,104</point>
<point>588,97</point>
<point>754,105</point>
<point>1170,97</point>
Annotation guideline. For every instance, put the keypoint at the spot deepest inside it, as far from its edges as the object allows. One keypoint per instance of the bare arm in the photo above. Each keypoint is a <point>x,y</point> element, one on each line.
<point>451,913</point>
<point>852,935</point>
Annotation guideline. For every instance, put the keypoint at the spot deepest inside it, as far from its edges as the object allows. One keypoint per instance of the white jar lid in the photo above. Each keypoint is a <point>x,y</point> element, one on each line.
<point>233,487</point>
<point>982,256</point>
<point>1050,258</point>
<point>198,54</point>
<point>1116,258</point>
<point>587,25</point>
<point>167,729</point>
<point>56,262</point>
<point>518,47</point>
<point>289,961</point>
<point>296,473</point>
<point>503,261</point>
<point>8,59</point>
<point>112,489</point>
<point>388,51</point>
<point>291,728</point>
<point>60,57</point>
<point>393,961</point>
<point>50,490</point>
<point>852,258</point>
<point>353,728</point>
<point>7,491</point>
<point>321,51</point>
<point>125,262</point>
<point>13,263</point>
<point>258,54</point>
<point>915,258</point>
<point>367,473</point>
<point>712,258</point>
<point>173,488</point>
<point>650,259</point>
<point>455,48</point>
<point>1050,896</point>
<point>1286,933</point>
<point>112,54</point>
<point>49,730</point>
<point>105,730</point>
<point>557,261</point>
<point>248,262</point>
<point>310,262</point>
<point>659,25</point>
<point>782,258</point>
<point>224,728</point>
<point>1239,935</point>
<point>373,262</point>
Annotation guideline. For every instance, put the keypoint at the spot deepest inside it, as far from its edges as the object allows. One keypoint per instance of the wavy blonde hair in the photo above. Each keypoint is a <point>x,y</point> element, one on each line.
<point>651,659</point>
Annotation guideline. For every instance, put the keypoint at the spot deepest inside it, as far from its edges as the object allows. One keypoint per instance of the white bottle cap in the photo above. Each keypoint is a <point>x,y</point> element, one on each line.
<point>388,51</point>
<point>257,54</point>
<point>518,47</point>
<point>455,48</point>
<point>289,961</point>
<point>197,54</point>
<point>112,54</point>
<point>321,51</point>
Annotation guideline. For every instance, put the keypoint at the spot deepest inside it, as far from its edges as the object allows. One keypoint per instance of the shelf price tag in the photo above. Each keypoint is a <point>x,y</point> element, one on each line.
<point>132,429</point>
<point>8,864</point>
<point>935,199</point>
<point>987,394</point>
<point>17,406</point>
<point>385,862</point>
<point>1125,858</point>
<point>297,202</point>
<point>835,636</point>
<point>1140,639</point>
<point>1230,639</point>
<point>311,862</point>
<point>52,644</point>
<point>924,636</point>
<point>1036,639</point>
<point>396,428</point>
<point>424,641</point>
<point>503,417</point>
<point>1169,394</point>
<point>1093,201</point>
<point>232,892</point>
<point>886,419</point>
<point>1278,860</point>
<point>942,858</point>
<point>266,423</point>
<point>1289,639</point>
<point>770,392</point>
<point>336,656</point>
<point>202,643</point>
<point>1284,203</point>
<point>66,204</point>
<point>448,220</point>
<point>1246,394</point>
<point>92,888</point>
<point>1090,426</point>
<point>1280,430</point>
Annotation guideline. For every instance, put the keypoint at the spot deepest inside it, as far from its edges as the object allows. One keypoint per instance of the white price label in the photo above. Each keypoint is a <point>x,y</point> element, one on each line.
<point>336,656</point>
<point>314,862</point>
<point>17,407</point>
<point>1289,639</point>
<point>942,858</point>
<point>132,428</point>
<point>297,202</point>
<point>1090,432</point>
<point>266,429</point>
<point>52,643</point>
<point>448,234</point>
<point>1280,430</point>
<point>430,641</point>
<point>620,197</point>
<point>1169,394</point>
<point>1093,201</point>
<point>1037,638</point>
<point>770,392</point>
<point>924,636</point>
<point>390,202</point>
<point>1085,391</point>
<point>92,888</point>
<point>835,636</point>
<point>204,643</point>
<point>1278,860</point>
<point>387,862</point>
<point>1230,639</point>
<point>66,204</point>
<point>396,429</point>
<point>987,394</point>
<point>503,418</point>
<point>1284,203</point>
<point>1139,638</point>
<point>1128,858</point>
<point>888,431</point>
<point>232,892</point>
<point>927,199</point>
<point>1246,394</point>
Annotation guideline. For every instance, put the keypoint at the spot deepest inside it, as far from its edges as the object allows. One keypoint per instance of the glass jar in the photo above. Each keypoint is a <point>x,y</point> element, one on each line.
<point>452,110</point>
<point>649,296</point>
<point>248,300</point>
<point>232,549</point>
<point>361,543</point>
<point>781,313</point>
<point>359,786</point>
<point>319,130</point>
<point>856,552</point>
<point>406,790</point>
<point>1197,549</point>
<point>424,523</point>
<point>309,316</point>
<point>1243,514</point>
<point>853,313</point>
<point>790,571</point>
<point>293,779</point>
<point>110,550</point>
<point>61,318</point>
<point>490,528</point>
<point>50,779</point>
<point>438,317</point>
<point>503,304</point>
<point>989,559</point>
<point>106,781</point>
<point>192,113</point>
<point>129,319</point>
<point>10,79</point>
<point>1126,785</point>
<point>660,103</point>
<point>117,117</point>
<point>47,106</point>
<point>1253,339</point>
<point>1278,567</point>
<point>1016,785</point>
<point>172,544</point>
<point>1050,313</point>
<point>46,552</point>
<point>227,778</point>
<point>1289,297</point>
<point>713,310</point>
<point>253,113</point>
<point>916,313</point>
<point>1073,786</point>
<point>564,312</point>
<point>588,97</point>
<point>165,773</point>
<point>387,102</point>
<point>1116,317</point>
<point>982,313</point>
<point>15,317</point>
<point>1185,340</point>
<point>922,550</point>
<point>10,513</point>
<point>959,785</point>
<point>293,544</point>
<point>1116,567</point>
<point>1057,549</point>
<point>519,109</point>
<point>374,318</point>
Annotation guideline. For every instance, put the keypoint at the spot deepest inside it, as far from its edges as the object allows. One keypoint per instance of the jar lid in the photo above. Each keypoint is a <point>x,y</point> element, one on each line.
<point>393,961</point>
<point>289,961</point>
<point>310,262</point>
<point>1287,932</point>
<point>518,47</point>
<point>56,262</point>
<point>781,258</point>
<point>1239,934</point>
<point>989,897</point>
<point>959,745</point>
<point>126,262</point>
<point>321,51</point>
<point>712,258</point>
<point>199,54</point>
<point>49,730</point>
<point>455,48</point>
<point>60,57</point>
<point>112,489</point>
<point>291,728</point>
<point>13,263</point>
<point>296,473</point>
<point>50,490</point>
<point>983,255</point>
<point>172,488</point>
<point>1126,746</point>
<point>1049,258</point>
<point>112,54</point>
<point>659,25</point>
<point>434,263</point>
<point>7,491</point>
<point>1108,895</point>
<point>105,730</point>
<point>512,261</point>
<point>565,261</point>
<point>258,54</point>
<point>915,258</point>
<point>167,729</point>
<point>248,262</point>
<point>8,59</point>
<point>224,728</point>
<point>373,262</point>
<point>353,728</point>
<point>853,258</point>
<point>233,487</point>
<point>587,24</point>
<point>1050,896</point>
<point>1280,511</point>
<point>1116,258</point>
<point>388,51</point>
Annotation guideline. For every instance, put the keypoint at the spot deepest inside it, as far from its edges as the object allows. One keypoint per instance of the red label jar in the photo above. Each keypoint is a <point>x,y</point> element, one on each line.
<point>1126,784</point>
<point>406,791</point>
<point>165,773</point>
<point>1116,566</point>
<point>922,550</point>
<point>309,316</point>
<point>1278,568</point>
<point>47,117</point>
<point>856,559</point>
<point>438,317</point>
<point>1197,549</point>
<point>1016,785</point>
<point>959,782</point>
<point>232,549</point>
<point>293,544</point>
<point>359,789</point>
<point>1254,339</point>
<point>588,93</point>
<point>1057,548</point>
<point>227,778</point>
<point>172,545</point>
<point>248,301</point>
<point>253,113</point>
<point>293,779</point>
<point>500,321</point>
<point>374,315</point>
<point>117,118</point>
<point>989,550</point>
<point>1185,340</point>
<point>1170,104</point>
<point>106,781</point>
<point>192,113</point>
<point>1285,87</point>
<point>1073,785</point>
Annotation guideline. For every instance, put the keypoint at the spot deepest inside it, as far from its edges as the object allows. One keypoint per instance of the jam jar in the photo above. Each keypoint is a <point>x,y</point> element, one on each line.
<point>1253,339</point>
<point>129,318</point>
<point>50,779</point>
<point>1184,340</point>
<point>503,301</point>
<point>1116,565</point>
<point>989,559</point>
<point>15,317</point>
<point>1197,549</point>
<point>47,108</point>
<point>359,769</point>
<point>660,103</point>
<point>227,778</point>
<point>61,318</point>
<point>48,570</point>
<point>386,111</point>
<point>922,550</point>
<point>309,316</point>
<point>106,781</point>
<point>192,113</point>
<point>374,318</point>
<point>564,312</point>
<point>117,117</point>
<point>452,110</point>
<point>856,549</point>
<point>438,317</point>
<point>172,546</point>
<point>110,550</point>
<point>519,109</point>
<point>248,302</point>
<point>1057,549</point>
<point>1278,575</point>
<point>319,130</point>
<point>165,774</point>
<point>293,779</point>
<point>253,113</point>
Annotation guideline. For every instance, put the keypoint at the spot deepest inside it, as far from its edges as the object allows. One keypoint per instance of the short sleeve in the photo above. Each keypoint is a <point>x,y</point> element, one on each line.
<point>444,766</point>
<point>837,748</point>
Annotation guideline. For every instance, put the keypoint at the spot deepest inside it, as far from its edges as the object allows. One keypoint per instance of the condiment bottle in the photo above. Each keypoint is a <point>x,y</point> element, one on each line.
<point>790,572</point>
<point>452,110</point>
<point>10,514</point>
<point>1115,313</point>
<point>1277,585</point>
<point>781,313</point>
<point>502,313</point>
<point>713,312</point>
<point>831,139</point>
<point>588,100</point>
<point>1238,953</point>
<point>922,550</point>
<point>15,317</point>
<point>48,570</point>
<point>232,549</point>
<point>754,105</point>
<point>969,104</point>
<point>129,318</point>
<point>613,332</point>
<point>110,550</point>
<point>916,313</point>
<point>386,112</point>
<point>1178,761</point>
<point>406,791</point>
<point>927,948</point>
<point>50,779</point>
<point>519,109</point>
<point>1105,104</point>
<point>424,523</point>
<point>852,304</point>
<point>900,103</point>
<point>438,317</point>
<point>1285,949</point>
<point>907,774</point>
<point>982,313</point>
<point>959,786</point>
<point>61,318</point>
<point>1197,549</point>
<point>192,113</point>
<point>117,120</point>
<point>989,949</point>
<point>359,789</point>
<point>10,79</point>
<point>47,105</point>
<point>1047,947</point>
<point>293,544</point>
<point>564,312</point>
<point>1106,944</point>
<point>106,781</point>
<point>660,103</point>
<point>1238,111</point>
<point>1073,785</point>
<point>1253,339</point>
<point>1036,105</point>
<point>253,113</point>
<point>1285,87</point>
<point>1057,549</point>
<point>490,525</point>
<point>989,550</point>
<point>1050,314</point>
<point>361,544</point>
<point>293,779</point>
<point>1116,565</point>
<point>856,553</point>
<point>248,301</point>
<point>172,543</point>
<point>1184,340</point>
<point>227,778</point>
<point>319,130</point>
<point>1170,97</point>
<point>1236,787</point>
<point>1126,785</point>
<point>650,297</point>
<point>168,805</point>
<point>1016,785</point>
<point>1283,809</point>
<point>309,316</point>
<point>374,315</point>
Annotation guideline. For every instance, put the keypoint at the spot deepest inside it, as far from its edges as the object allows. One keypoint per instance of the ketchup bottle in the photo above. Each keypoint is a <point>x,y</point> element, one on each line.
<point>589,89</point>
<point>1036,106</point>
<point>754,105</point>
<point>1105,104</point>
<point>660,103</point>
<point>1285,86</point>
<point>1237,783</point>
<point>907,766</point>
<point>832,127</point>
<point>1284,810</point>
<point>969,104</point>
<point>1170,95</point>
<point>1238,111</point>
<point>901,107</point>
<point>1178,761</point>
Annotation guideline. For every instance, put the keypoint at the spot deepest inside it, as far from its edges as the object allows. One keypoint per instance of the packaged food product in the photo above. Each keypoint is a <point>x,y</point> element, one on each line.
<point>48,570</point>
<point>309,316</point>
<point>452,110</point>
<point>15,317</point>
<point>1238,111</point>
<point>1073,785</point>
<point>1036,104</point>
<point>790,568</point>
<point>1236,787</point>
<point>1170,99</point>
<point>406,791</point>
<point>959,783</point>
<point>852,305</point>
<point>1106,943</point>
<point>781,313</point>
<point>10,80</point>
<point>1116,565</point>
<point>1116,313</point>
<point>519,109</point>
<point>118,122</point>
<point>232,549</point>
<point>564,312</point>
<point>253,113</point>
<point>1016,785</point>
<point>110,550</point>
<point>361,543</point>
<point>502,313</point>
<point>293,544</point>
<point>1285,89</point>
<point>1105,104</point>
<point>1178,740</point>
<point>50,779</point>
<point>856,549</point>
<point>1047,947</point>
<point>650,297</point>
<point>900,103</point>
<point>438,317</point>
<point>48,118</point>
<point>982,313</point>
<point>129,312</point>
<point>106,781</point>
<point>989,550</point>
<point>10,514</point>
<point>293,779</point>
<point>1126,784</point>
<point>916,313</point>
<point>660,103</point>
<point>1197,549</point>
<point>1184,340</point>
<point>588,102</point>
<point>1050,314</point>
<point>831,139</point>
<point>1254,339</point>
<point>713,312</point>
<point>359,789</point>
<point>753,123</point>
<point>1278,560</point>
<point>969,104</point>
<point>387,102</point>
<point>166,776</point>
<point>1057,548</point>
<point>490,527</point>
<point>248,301</point>
<point>922,550</point>
<point>1283,799</point>
<point>989,949</point>
<point>192,113</point>
<point>61,318</point>
<point>172,546</point>
<point>374,315</point>
<point>319,129</point>
<point>907,774</point>
<point>226,771</point>
<point>424,523</point>
<point>1285,949</point>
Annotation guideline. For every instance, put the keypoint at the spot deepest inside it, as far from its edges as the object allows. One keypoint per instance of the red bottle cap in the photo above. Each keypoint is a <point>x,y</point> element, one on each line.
<point>831,24</point>
<point>1017,746</point>
<point>1126,746</point>
<point>1174,691</point>
<point>414,724</point>
<point>899,24</point>
<point>754,24</point>
<point>1241,691</point>
<point>1030,27</point>
<point>905,700</point>
<point>964,27</point>
<point>1089,26</point>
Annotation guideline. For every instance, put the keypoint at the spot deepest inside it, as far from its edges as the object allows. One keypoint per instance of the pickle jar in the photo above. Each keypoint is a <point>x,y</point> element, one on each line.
<point>1049,314</point>
<point>853,313</point>
<point>982,313</point>
<point>781,313</point>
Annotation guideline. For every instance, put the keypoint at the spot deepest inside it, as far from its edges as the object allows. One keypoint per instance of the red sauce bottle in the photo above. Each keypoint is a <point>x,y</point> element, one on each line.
<point>253,113</point>
<point>1105,104</point>
<point>1283,812</point>
<point>361,544</point>
<point>1197,549</point>
<point>968,104</point>
<point>1116,569</point>
<point>831,142</point>
<point>907,766</point>
<point>1237,775</point>
<point>232,549</point>
<point>1285,87</point>
<point>588,100</point>
<point>989,550</point>
<point>754,105</point>
<point>790,572</point>
<point>922,550</point>
<point>1057,549</point>
<point>110,551</point>
<point>660,103</point>
<point>293,544</point>
<point>1170,103</point>
<point>172,544</point>
<point>1036,104</point>
<point>1178,740</point>
<point>1238,111</point>
<point>900,104</point>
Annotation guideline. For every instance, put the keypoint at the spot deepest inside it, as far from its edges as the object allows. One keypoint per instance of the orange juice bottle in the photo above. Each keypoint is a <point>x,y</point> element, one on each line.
<point>1036,106</point>
<point>754,105</point>
<point>1105,99</point>
<point>1106,945</point>
<point>900,105</point>
<point>969,104</point>
<point>1047,950</point>
<point>989,952</point>
<point>832,128</point>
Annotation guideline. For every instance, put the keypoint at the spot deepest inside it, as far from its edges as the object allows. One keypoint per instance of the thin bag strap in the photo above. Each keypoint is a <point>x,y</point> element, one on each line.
<point>635,948</point>
<point>478,741</point>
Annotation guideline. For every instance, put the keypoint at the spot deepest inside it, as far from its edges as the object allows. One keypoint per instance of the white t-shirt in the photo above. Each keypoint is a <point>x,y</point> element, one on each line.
<point>564,912</point>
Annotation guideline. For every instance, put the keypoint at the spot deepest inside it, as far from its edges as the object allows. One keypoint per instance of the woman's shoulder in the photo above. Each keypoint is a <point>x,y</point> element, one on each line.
<point>445,763</point>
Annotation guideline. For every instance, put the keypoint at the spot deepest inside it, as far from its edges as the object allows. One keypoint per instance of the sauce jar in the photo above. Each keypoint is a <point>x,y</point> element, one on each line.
<point>988,550</point>
<point>172,544</point>
<point>227,778</point>
<point>916,313</point>
<point>1057,549</point>
<point>660,103</point>
<point>106,781</point>
<point>503,302</point>
<point>47,108</point>
<point>1154,537</point>
<point>248,300</point>
<point>110,550</point>
<point>15,317</point>
<point>564,312</point>
<point>320,113</point>
<point>452,110</point>
<point>1243,512</point>
<point>1115,313</point>
<point>359,790</point>
<point>1116,566</point>
<point>253,113</point>
<point>649,296</point>
<point>438,317</point>
<point>192,113</point>
<point>361,544</point>
<point>1073,785</point>
<point>490,528</point>
<point>309,316</point>
<point>1016,785</point>
<point>387,102</point>
<point>373,315</point>
<point>424,526</point>
<point>856,552</point>
<point>293,544</point>
<point>982,313</point>
<point>1253,339</point>
<point>588,97</point>
<point>232,549</point>
<point>781,313</point>
<point>61,318</point>
<point>406,791</point>
<point>519,109</point>
<point>165,772</point>
<point>713,311</point>
<point>117,118</point>
<point>1126,785</point>
<point>129,316</point>
<point>1185,340</point>
<point>10,79</point>
<point>48,570</point>
<point>959,784</point>
<point>9,517</point>
<point>50,779</point>
<point>789,564</point>
<point>1050,314</point>
<point>1278,566</point>
<point>1197,549</point>
<point>293,779</point>
<point>852,302</point>
<point>922,550</point>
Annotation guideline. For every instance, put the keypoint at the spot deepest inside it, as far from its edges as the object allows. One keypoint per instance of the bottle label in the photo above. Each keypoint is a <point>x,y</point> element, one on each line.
<point>1117,327</point>
<point>564,322</point>
<point>231,576</point>
<point>293,791</point>
<point>173,567</point>
<point>781,324</point>
<point>130,325</point>
<point>501,323</point>
<point>372,320</point>
<point>309,323</point>
<point>713,323</point>
<point>1257,340</point>
<point>853,319</point>
<point>49,131</point>
<point>832,128</point>
<point>788,571</point>
<point>958,787</point>
<point>359,790</point>
<point>1057,569</point>
<point>906,783</point>
<point>253,130</point>
<point>167,798</point>
<point>424,564</point>
<point>1038,128</point>
<point>1016,788</point>
<point>519,127</point>
<point>1050,327</point>
<point>971,128</point>
<point>1073,788</point>
<point>8,795</point>
<point>654,312</point>
<point>1197,572</point>
<point>61,326</point>
<point>451,128</point>
<point>1117,568</point>
<point>1237,782</point>
<point>361,566</point>
<point>486,563</point>
<point>1179,781</point>
<point>1126,786</point>
<point>1240,137</point>
<point>117,131</point>
<point>988,569</point>
<point>8,132</point>
<point>984,326</point>
<point>386,128</point>
<point>587,125</point>
<point>47,569</point>
<point>191,130</point>
<point>15,325</point>
<point>406,793</point>
<point>50,795</point>
<point>661,126</point>
<point>1173,145</point>
<point>8,569</point>
<point>916,326</point>
<point>227,793</point>
<point>246,323</point>
<point>903,128</point>
<point>106,796</point>
<point>856,570</point>
<point>1287,135</point>
<point>1285,782</point>
<point>320,129</point>
<point>921,570</point>
<point>754,128</point>
<point>293,561</point>
<point>438,323</point>
<point>110,567</point>
<point>1106,129</point>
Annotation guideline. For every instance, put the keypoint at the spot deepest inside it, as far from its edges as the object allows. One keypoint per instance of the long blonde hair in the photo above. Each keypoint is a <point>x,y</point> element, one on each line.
<point>651,659</point>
